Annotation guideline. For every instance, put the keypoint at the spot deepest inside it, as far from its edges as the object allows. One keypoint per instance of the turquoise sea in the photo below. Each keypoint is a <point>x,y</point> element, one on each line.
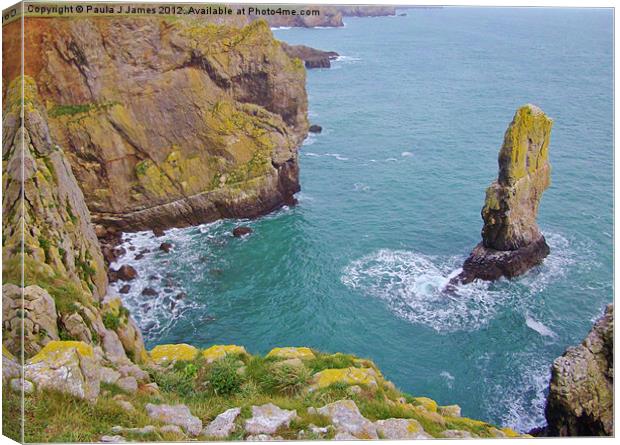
<point>414,113</point>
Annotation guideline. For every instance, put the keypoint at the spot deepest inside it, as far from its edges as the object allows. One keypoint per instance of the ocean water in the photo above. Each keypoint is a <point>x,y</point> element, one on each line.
<point>413,115</point>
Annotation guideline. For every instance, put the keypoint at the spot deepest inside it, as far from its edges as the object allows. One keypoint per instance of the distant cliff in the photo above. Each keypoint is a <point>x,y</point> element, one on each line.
<point>169,122</point>
<point>329,16</point>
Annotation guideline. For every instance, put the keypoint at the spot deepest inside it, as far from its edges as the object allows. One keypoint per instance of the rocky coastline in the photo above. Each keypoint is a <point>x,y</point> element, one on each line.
<point>98,152</point>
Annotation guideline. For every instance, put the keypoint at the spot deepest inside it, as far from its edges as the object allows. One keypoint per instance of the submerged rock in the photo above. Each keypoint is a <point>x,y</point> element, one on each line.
<point>123,273</point>
<point>581,391</point>
<point>240,231</point>
<point>166,247</point>
<point>315,128</point>
<point>511,240</point>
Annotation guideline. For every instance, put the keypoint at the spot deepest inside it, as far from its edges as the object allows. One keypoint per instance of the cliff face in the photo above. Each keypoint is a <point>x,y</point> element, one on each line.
<point>581,391</point>
<point>511,240</point>
<point>64,273</point>
<point>171,123</point>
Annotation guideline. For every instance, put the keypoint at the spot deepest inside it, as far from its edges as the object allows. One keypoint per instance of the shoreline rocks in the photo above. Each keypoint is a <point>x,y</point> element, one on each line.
<point>312,58</point>
<point>581,391</point>
<point>511,241</point>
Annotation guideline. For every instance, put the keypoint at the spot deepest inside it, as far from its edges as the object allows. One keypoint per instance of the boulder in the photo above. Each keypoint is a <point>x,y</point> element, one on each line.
<point>175,352</point>
<point>315,129</point>
<point>171,429</point>
<point>123,273</point>
<point>74,324</point>
<point>266,419</point>
<point>511,240</point>
<point>36,312</point>
<point>399,429</point>
<point>17,385</point>
<point>165,247</point>
<point>223,425</point>
<point>179,415</point>
<point>241,231</point>
<point>217,352</point>
<point>457,434</point>
<point>112,439</point>
<point>109,375</point>
<point>346,418</point>
<point>10,366</point>
<point>291,352</point>
<point>65,366</point>
<point>128,384</point>
<point>581,394</point>
<point>125,289</point>
<point>450,411</point>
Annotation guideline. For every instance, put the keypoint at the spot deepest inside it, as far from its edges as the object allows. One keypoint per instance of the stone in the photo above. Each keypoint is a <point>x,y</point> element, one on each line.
<point>125,289</point>
<point>450,411</point>
<point>65,366</point>
<point>261,438</point>
<point>17,385</point>
<point>149,292</point>
<point>112,439</point>
<point>266,419</point>
<point>315,129</point>
<point>581,394</point>
<point>128,384</point>
<point>124,273</point>
<point>179,415</point>
<point>511,240</point>
<point>291,363</point>
<point>218,352</point>
<point>158,232</point>
<point>171,429</point>
<point>127,406</point>
<point>76,326</point>
<point>346,418</point>
<point>457,434</point>
<point>223,425</point>
<point>349,376</point>
<point>165,247</point>
<point>150,388</point>
<point>399,429</point>
<point>10,366</point>
<point>36,312</point>
<point>113,347</point>
<point>241,231</point>
<point>174,352</point>
<point>343,435</point>
<point>290,352</point>
<point>132,370</point>
<point>109,375</point>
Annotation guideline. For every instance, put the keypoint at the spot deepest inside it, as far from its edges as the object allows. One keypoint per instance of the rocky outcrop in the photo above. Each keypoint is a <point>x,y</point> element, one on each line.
<point>64,270</point>
<point>64,366</point>
<point>511,240</point>
<point>182,123</point>
<point>581,391</point>
<point>312,58</point>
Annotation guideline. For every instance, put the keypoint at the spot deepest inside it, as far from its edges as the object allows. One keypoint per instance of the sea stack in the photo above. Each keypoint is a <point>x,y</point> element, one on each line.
<point>511,240</point>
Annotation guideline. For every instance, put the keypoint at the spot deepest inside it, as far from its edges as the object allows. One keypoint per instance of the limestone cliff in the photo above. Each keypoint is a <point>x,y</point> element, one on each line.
<point>511,240</point>
<point>64,273</point>
<point>312,58</point>
<point>581,392</point>
<point>168,122</point>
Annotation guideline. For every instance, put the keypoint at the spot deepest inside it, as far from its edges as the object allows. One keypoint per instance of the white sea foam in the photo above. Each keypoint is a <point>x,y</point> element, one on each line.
<point>360,187</point>
<point>406,154</point>
<point>391,160</point>
<point>449,378</point>
<point>539,327</point>
<point>308,141</point>
<point>413,286</point>
<point>337,156</point>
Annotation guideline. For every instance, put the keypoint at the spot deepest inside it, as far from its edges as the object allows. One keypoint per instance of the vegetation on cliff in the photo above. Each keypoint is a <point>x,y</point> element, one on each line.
<point>291,393</point>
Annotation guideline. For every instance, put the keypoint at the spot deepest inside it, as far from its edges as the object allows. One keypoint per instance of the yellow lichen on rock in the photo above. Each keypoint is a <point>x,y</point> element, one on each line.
<point>349,376</point>
<point>427,403</point>
<point>58,346</point>
<point>292,352</point>
<point>173,352</point>
<point>217,352</point>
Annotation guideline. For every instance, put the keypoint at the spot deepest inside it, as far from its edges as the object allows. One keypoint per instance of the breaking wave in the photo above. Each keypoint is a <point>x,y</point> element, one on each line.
<point>413,286</point>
